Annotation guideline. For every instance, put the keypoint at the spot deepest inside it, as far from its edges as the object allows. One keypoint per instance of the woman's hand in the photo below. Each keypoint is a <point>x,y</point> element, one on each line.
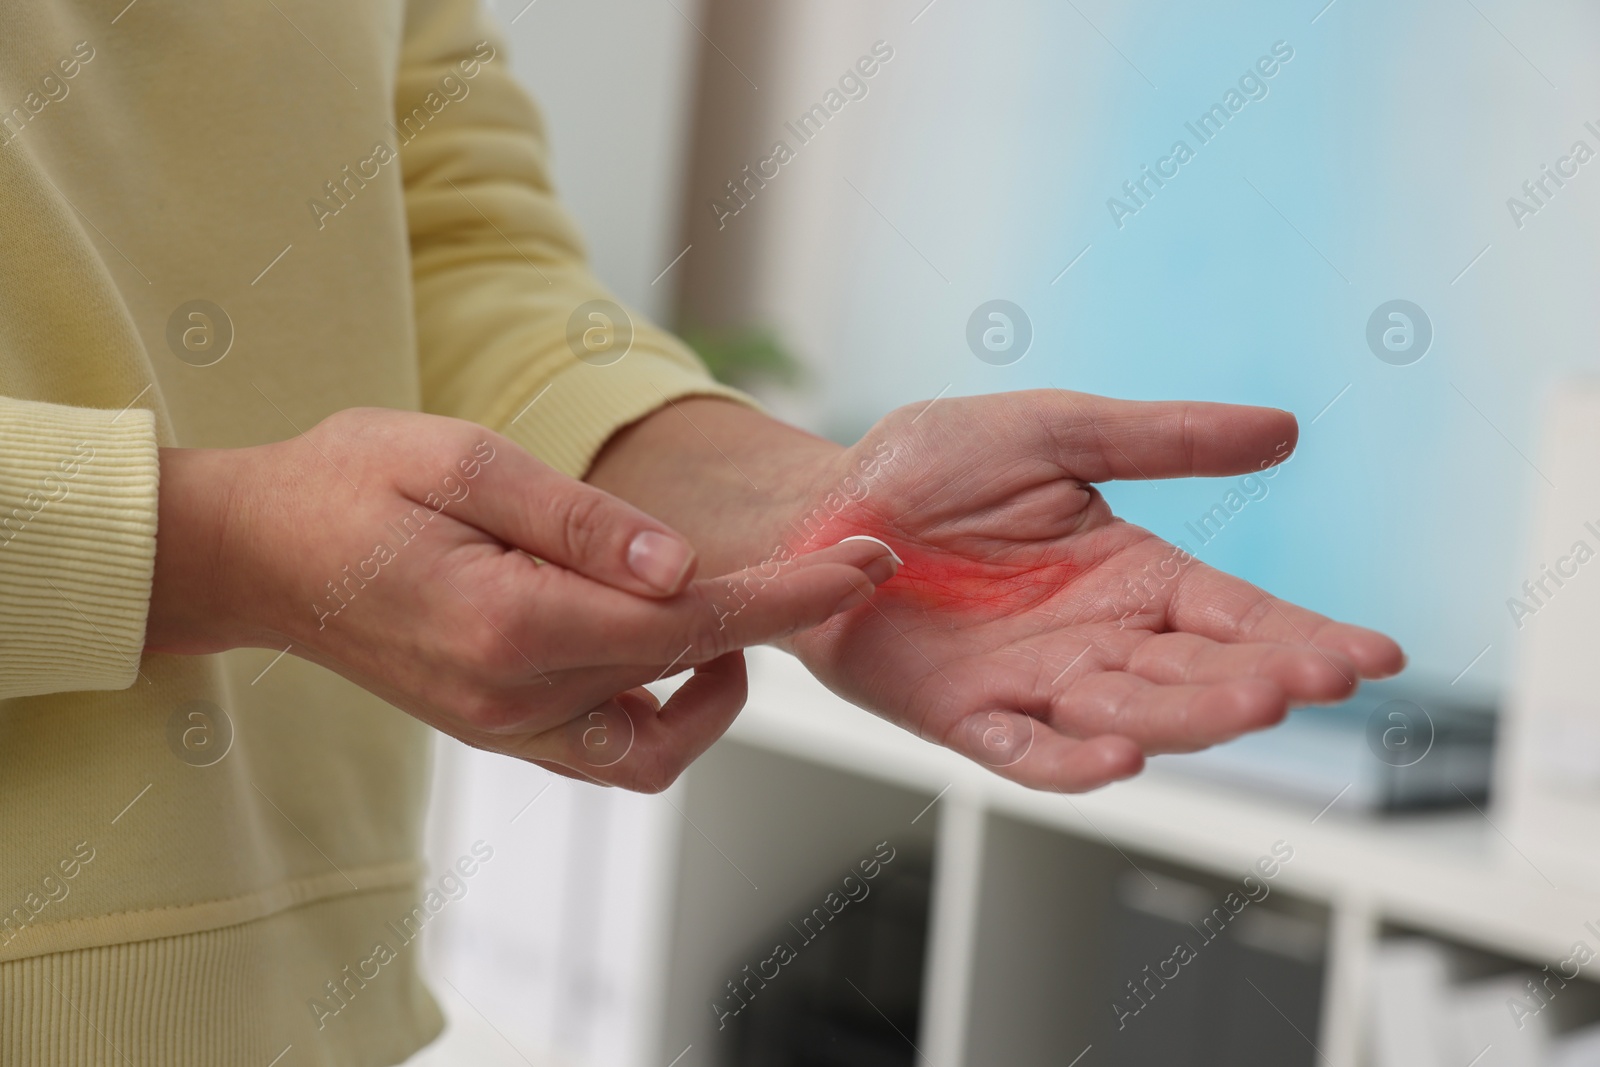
<point>399,550</point>
<point>1029,627</point>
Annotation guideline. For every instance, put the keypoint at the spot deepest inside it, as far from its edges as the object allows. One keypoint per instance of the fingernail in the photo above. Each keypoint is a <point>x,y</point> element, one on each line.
<point>881,569</point>
<point>658,560</point>
<point>876,541</point>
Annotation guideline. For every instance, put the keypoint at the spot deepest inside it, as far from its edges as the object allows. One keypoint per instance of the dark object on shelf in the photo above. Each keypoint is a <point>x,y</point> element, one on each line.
<point>1391,747</point>
<point>1194,983</point>
<point>851,996</point>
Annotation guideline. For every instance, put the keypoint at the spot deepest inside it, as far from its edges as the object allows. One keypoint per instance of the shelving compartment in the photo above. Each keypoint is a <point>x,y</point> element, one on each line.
<point>1435,1002</point>
<point>1084,949</point>
<point>801,918</point>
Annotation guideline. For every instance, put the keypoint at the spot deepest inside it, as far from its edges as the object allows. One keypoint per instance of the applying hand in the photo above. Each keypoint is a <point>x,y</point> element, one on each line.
<point>397,549</point>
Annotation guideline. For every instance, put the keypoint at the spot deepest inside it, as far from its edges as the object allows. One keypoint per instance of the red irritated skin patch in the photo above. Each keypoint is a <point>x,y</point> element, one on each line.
<point>938,578</point>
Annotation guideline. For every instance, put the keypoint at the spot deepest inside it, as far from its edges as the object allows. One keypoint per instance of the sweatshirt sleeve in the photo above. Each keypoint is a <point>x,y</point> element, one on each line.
<point>77,545</point>
<point>504,297</point>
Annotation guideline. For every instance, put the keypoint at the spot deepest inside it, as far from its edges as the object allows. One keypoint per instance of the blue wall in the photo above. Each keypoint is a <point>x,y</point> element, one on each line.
<point>1381,157</point>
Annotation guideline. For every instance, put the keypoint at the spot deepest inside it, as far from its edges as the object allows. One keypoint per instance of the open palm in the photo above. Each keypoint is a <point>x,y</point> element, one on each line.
<point>1031,629</point>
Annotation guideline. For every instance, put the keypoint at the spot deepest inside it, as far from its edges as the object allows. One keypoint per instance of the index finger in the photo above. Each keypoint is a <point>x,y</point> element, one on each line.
<point>532,506</point>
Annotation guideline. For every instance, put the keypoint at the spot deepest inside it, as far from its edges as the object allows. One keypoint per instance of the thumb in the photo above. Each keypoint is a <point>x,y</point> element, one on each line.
<point>561,520</point>
<point>1098,438</point>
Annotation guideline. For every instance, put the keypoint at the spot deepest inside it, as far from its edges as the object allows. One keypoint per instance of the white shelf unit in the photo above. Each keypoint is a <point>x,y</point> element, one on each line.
<point>805,780</point>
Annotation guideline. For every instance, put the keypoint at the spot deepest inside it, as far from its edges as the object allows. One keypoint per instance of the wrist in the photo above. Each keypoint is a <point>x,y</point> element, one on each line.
<point>729,478</point>
<point>192,608</point>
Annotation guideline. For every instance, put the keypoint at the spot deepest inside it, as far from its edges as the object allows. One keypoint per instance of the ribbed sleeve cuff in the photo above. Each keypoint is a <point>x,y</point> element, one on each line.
<point>567,423</point>
<point>77,545</point>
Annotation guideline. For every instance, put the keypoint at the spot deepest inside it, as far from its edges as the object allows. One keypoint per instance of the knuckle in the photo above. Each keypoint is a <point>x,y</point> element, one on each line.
<point>486,651</point>
<point>1188,435</point>
<point>348,424</point>
<point>583,527</point>
<point>707,630</point>
<point>487,710</point>
<point>1252,617</point>
<point>897,423</point>
<point>656,776</point>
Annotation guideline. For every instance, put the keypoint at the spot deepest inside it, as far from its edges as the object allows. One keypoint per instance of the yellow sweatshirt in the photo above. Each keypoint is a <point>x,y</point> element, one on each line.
<point>219,224</point>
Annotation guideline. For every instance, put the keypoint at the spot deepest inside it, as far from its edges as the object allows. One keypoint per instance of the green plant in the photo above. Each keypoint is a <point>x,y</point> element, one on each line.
<point>743,355</point>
